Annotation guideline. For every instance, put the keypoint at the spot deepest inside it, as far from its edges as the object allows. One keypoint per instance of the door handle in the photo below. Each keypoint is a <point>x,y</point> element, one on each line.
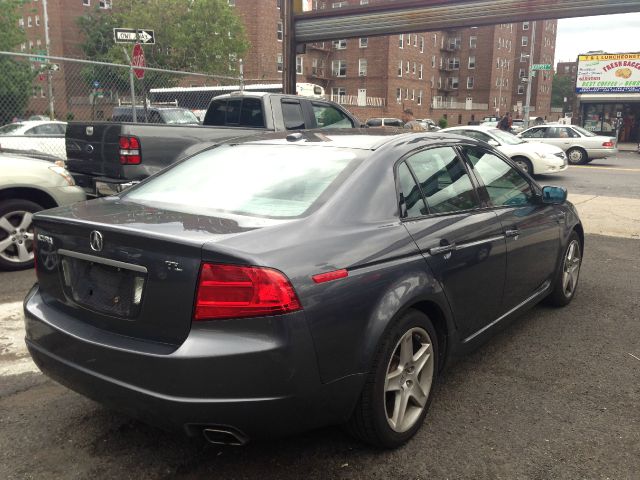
<point>443,249</point>
<point>512,233</point>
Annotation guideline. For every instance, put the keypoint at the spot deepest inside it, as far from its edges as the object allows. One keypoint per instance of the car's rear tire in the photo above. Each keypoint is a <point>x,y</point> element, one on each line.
<point>398,389</point>
<point>524,164</point>
<point>566,279</point>
<point>16,234</point>
<point>576,156</point>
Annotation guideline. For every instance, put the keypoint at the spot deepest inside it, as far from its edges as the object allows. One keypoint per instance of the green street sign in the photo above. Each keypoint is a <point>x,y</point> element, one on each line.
<point>39,59</point>
<point>541,66</point>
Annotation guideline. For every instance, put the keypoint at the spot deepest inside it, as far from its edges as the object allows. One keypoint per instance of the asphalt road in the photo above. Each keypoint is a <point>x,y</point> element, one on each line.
<point>554,395</point>
<point>617,176</point>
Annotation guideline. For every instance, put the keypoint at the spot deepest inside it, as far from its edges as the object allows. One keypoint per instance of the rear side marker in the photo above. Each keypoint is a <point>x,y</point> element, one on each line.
<point>330,276</point>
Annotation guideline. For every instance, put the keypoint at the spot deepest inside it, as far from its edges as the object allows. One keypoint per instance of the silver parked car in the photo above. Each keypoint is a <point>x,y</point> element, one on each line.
<point>581,145</point>
<point>28,185</point>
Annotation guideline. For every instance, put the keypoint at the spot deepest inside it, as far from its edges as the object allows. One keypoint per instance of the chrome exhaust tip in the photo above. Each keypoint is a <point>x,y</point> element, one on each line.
<point>225,436</point>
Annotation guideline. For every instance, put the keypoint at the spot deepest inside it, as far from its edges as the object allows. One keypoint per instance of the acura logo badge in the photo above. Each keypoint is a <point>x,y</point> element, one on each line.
<point>95,241</point>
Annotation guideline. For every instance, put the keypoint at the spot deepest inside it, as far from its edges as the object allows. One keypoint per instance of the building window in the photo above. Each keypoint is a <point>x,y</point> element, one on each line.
<point>421,44</point>
<point>105,3</point>
<point>408,67</point>
<point>299,65</point>
<point>452,82</point>
<point>473,41</point>
<point>415,68</point>
<point>30,45</point>
<point>279,31</point>
<point>399,95</point>
<point>432,82</point>
<point>364,2</point>
<point>338,94</point>
<point>406,94</point>
<point>415,40</point>
<point>400,68</point>
<point>21,22</point>
<point>433,61</point>
<point>525,25</point>
<point>453,63</point>
<point>364,42</point>
<point>339,68</point>
<point>420,97</point>
<point>232,3</point>
<point>339,4</point>
<point>38,43</point>
<point>314,67</point>
<point>520,89</point>
<point>278,3</point>
<point>521,73</point>
<point>523,56</point>
<point>469,83</point>
<point>29,24</point>
<point>413,94</point>
<point>472,62</point>
<point>420,72</point>
<point>435,39</point>
<point>525,41</point>
<point>23,47</point>
<point>401,41</point>
<point>340,44</point>
<point>38,20</point>
<point>362,67</point>
<point>279,63</point>
<point>86,3</point>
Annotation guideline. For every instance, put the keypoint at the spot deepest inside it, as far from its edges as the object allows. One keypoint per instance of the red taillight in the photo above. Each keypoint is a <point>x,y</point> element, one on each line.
<point>130,151</point>
<point>231,291</point>
<point>608,144</point>
<point>329,276</point>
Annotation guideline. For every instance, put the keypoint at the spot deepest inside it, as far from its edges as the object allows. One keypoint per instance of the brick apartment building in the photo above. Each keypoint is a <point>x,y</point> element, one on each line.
<point>64,40</point>
<point>461,74</point>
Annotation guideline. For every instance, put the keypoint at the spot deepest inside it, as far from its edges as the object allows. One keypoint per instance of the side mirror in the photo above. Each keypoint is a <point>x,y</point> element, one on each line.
<point>554,195</point>
<point>493,143</point>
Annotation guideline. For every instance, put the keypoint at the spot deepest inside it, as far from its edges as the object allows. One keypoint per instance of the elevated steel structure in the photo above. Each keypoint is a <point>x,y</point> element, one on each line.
<point>411,16</point>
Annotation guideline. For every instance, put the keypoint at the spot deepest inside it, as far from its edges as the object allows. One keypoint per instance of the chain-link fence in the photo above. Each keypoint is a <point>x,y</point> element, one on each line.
<point>37,89</point>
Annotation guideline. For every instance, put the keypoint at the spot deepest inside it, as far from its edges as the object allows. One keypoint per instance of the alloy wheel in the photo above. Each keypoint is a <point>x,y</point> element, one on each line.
<point>408,379</point>
<point>16,237</point>
<point>571,269</point>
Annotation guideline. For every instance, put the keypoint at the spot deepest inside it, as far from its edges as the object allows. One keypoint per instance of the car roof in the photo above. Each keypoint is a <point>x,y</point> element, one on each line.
<point>34,123</point>
<point>483,128</point>
<point>357,139</point>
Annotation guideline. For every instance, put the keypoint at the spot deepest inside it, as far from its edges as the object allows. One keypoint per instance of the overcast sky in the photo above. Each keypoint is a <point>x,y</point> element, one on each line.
<point>611,33</point>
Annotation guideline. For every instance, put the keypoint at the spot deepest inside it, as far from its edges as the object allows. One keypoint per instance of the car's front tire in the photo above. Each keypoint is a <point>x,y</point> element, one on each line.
<point>524,164</point>
<point>398,390</point>
<point>16,233</point>
<point>566,281</point>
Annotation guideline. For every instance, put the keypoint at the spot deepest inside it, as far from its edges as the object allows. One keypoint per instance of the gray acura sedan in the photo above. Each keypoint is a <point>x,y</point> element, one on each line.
<point>281,283</point>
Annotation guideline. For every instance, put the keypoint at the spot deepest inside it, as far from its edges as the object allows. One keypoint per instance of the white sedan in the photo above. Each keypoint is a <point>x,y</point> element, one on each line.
<point>43,136</point>
<point>535,159</point>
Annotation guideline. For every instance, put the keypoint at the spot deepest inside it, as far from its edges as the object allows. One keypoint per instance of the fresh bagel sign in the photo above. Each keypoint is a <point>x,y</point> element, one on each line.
<point>608,73</point>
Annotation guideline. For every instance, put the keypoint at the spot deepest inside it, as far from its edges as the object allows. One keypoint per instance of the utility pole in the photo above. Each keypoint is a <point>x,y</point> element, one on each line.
<point>530,76</point>
<point>49,71</point>
<point>289,46</point>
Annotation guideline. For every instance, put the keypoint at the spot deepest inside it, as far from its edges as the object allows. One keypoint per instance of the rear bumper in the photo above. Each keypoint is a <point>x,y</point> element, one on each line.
<point>601,152</point>
<point>259,376</point>
<point>101,186</point>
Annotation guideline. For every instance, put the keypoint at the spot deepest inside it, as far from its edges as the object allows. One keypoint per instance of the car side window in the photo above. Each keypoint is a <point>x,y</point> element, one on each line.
<point>443,179</point>
<point>411,200</point>
<point>32,131</point>
<point>328,116</point>
<point>534,133</point>
<point>560,132</point>
<point>292,115</point>
<point>374,122</point>
<point>505,185</point>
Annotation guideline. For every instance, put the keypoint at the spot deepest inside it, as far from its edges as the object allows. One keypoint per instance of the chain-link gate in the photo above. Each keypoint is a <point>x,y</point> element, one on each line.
<point>39,93</point>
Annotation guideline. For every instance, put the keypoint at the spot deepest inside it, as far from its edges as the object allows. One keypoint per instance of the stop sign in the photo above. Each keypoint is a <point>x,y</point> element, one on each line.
<point>137,60</point>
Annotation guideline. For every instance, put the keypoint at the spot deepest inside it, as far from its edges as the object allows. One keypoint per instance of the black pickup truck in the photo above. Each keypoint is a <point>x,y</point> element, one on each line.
<point>107,157</point>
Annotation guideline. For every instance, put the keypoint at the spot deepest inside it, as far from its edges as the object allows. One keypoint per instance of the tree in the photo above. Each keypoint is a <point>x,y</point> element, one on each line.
<point>16,78</point>
<point>561,88</point>
<point>191,35</point>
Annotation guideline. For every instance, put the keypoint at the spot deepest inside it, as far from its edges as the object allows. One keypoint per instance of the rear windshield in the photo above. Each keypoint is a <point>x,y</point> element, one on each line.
<point>272,181</point>
<point>12,127</point>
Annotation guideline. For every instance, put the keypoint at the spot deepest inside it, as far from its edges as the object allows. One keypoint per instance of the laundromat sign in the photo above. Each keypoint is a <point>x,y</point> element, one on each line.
<point>615,73</point>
